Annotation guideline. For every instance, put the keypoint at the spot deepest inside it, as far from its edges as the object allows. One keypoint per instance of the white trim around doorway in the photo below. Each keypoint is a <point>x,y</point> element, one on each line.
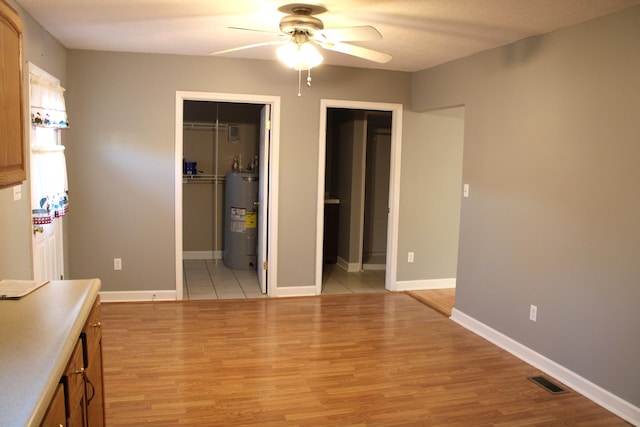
<point>394,183</point>
<point>272,221</point>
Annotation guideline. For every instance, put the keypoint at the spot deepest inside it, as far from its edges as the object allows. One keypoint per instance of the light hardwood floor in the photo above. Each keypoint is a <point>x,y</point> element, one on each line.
<point>441,300</point>
<point>382,359</point>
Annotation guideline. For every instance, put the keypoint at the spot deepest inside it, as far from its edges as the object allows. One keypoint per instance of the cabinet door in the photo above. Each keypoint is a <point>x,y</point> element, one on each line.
<point>73,380</point>
<point>95,397</point>
<point>12,167</point>
<point>56,415</point>
<point>92,341</point>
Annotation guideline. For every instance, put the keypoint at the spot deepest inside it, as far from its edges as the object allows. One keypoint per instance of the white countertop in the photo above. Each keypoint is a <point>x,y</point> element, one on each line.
<point>37,335</point>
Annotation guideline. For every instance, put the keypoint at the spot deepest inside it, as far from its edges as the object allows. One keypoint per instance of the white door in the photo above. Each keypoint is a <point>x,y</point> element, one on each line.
<point>265,132</point>
<point>48,262</point>
<point>47,253</point>
<point>47,248</point>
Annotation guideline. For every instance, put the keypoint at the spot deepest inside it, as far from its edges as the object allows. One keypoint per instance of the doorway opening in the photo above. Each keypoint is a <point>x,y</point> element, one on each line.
<point>358,152</point>
<point>225,157</point>
<point>220,174</point>
<point>358,204</point>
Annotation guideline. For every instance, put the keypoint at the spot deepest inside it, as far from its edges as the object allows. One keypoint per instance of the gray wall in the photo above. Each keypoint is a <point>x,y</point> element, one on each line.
<point>552,131</point>
<point>430,194</point>
<point>15,221</point>
<point>121,156</point>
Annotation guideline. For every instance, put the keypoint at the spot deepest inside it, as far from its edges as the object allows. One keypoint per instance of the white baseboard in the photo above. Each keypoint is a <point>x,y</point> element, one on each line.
<point>349,267</point>
<point>597,394</point>
<point>135,296</point>
<point>202,255</point>
<point>374,267</point>
<point>417,285</point>
<point>294,291</point>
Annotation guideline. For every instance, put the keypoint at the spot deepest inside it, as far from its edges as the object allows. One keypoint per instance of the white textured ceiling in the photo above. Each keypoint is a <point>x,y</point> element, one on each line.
<point>418,33</point>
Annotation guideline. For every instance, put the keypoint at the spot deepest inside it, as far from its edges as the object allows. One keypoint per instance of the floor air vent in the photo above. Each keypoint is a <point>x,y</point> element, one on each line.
<point>548,385</point>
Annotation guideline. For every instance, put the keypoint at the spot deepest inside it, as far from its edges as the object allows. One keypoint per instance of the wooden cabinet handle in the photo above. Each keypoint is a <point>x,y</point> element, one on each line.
<point>97,325</point>
<point>78,371</point>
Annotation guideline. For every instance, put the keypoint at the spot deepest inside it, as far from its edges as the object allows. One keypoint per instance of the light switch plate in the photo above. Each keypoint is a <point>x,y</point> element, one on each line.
<point>17,192</point>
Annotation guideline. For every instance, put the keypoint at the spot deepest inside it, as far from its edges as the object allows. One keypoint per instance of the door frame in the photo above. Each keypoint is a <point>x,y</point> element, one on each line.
<point>53,267</point>
<point>272,214</point>
<point>263,204</point>
<point>394,183</point>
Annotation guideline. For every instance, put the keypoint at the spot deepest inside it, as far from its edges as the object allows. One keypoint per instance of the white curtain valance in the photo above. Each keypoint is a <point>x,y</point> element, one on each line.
<point>49,191</point>
<point>47,103</point>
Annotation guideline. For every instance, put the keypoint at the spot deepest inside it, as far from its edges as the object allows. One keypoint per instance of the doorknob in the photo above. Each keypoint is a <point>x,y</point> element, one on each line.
<point>38,230</point>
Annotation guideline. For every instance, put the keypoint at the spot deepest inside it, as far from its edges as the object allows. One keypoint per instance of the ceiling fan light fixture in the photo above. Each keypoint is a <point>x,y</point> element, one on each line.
<point>303,56</point>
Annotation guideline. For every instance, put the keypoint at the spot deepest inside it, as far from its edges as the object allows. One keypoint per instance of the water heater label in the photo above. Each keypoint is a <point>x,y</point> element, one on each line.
<point>238,220</point>
<point>251,220</point>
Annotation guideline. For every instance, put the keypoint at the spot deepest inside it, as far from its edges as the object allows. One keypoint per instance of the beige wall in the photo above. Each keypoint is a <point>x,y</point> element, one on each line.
<point>551,155</point>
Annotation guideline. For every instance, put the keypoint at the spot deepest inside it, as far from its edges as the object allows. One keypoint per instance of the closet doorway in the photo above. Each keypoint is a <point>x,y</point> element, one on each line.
<point>358,154</point>
<point>359,177</point>
<point>224,160</point>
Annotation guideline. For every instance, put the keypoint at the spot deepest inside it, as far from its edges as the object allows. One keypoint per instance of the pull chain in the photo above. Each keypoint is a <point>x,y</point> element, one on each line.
<point>300,80</point>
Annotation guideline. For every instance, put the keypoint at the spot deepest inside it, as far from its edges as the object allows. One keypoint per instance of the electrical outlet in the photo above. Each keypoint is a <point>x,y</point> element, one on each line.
<point>465,190</point>
<point>410,257</point>
<point>117,263</point>
<point>533,313</point>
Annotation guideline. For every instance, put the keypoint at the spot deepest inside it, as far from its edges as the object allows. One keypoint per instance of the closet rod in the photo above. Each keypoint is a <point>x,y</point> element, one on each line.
<point>203,178</point>
<point>203,126</point>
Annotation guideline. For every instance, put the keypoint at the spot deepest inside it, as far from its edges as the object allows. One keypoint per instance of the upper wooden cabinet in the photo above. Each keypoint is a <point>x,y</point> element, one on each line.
<point>12,164</point>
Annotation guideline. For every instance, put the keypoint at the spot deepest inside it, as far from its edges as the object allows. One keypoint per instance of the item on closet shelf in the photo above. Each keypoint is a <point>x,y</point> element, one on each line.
<point>190,168</point>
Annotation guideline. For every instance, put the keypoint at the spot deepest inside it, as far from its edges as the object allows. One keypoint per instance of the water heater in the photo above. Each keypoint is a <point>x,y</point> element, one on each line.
<point>241,220</point>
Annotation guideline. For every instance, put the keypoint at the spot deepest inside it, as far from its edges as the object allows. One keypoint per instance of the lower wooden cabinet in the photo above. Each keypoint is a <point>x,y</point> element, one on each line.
<point>73,380</point>
<point>56,415</point>
<point>92,341</point>
<point>79,399</point>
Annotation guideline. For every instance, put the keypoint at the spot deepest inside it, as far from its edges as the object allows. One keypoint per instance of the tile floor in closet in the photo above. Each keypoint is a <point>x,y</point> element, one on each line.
<point>210,279</point>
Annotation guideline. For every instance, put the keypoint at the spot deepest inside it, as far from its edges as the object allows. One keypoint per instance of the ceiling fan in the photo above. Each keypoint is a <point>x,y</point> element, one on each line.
<point>301,30</point>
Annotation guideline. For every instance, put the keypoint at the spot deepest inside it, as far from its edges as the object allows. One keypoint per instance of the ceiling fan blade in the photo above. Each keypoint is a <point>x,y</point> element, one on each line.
<point>257,31</point>
<point>250,46</point>
<point>359,51</point>
<point>346,34</point>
